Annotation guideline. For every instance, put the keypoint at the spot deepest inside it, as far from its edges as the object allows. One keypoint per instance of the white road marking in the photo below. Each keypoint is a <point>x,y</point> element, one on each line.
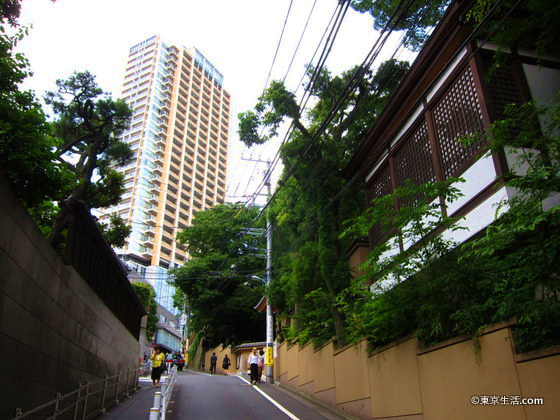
<point>256,388</point>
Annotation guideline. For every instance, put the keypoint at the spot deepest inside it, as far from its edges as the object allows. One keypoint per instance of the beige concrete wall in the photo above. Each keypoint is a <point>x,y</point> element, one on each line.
<point>324,368</point>
<point>292,359</point>
<point>451,375</point>
<point>221,352</point>
<point>394,381</point>
<point>280,365</point>
<point>540,378</point>
<point>306,364</point>
<point>351,373</point>
<point>54,327</point>
<point>401,381</point>
<point>352,380</point>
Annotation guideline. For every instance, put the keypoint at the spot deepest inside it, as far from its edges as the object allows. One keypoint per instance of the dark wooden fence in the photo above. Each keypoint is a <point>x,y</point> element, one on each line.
<point>91,256</point>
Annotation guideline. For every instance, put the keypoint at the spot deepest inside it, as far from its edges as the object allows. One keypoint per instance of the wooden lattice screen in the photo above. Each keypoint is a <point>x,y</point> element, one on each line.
<point>380,186</point>
<point>501,84</point>
<point>413,160</point>
<point>458,115</point>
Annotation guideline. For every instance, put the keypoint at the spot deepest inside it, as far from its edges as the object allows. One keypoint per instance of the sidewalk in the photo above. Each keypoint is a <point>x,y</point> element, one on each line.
<point>137,406</point>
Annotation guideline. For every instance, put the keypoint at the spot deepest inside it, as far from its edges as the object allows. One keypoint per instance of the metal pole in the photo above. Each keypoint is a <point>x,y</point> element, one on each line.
<point>55,409</point>
<point>157,400</point>
<point>269,320</point>
<point>117,387</point>
<point>154,413</point>
<point>126,386</point>
<point>105,382</point>
<point>163,401</point>
<point>77,403</point>
<point>84,410</point>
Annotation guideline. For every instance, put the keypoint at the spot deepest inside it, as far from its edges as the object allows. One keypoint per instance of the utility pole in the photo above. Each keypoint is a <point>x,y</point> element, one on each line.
<point>269,320</point>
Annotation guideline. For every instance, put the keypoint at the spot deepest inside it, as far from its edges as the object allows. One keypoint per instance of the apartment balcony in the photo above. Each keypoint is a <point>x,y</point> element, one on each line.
<point>160,141</point>
<point>169,216</point>
<point>148,242</point>
<point>150,221</point>
<point>165,107</point>
<point>154,190</point>
<point>152,210</point>
<point>171,59</point>
<point>155,180</point>
<point>154,199</point>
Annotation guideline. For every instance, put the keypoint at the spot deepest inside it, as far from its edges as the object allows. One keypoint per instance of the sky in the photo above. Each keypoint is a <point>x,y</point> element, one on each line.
<point>239,37</point>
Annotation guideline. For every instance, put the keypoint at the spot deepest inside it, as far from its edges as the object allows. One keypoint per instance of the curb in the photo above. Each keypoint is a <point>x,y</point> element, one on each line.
<point>316,401</point>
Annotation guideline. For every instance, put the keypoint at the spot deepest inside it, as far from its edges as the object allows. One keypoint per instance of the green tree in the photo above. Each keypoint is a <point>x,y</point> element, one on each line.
<point>221,299</point>
<point>526,237</point>
<point>312,200</point>
<point>116,231</point>
<point>31,149</point>
<point>88,123</point>
<point>415,18</point>
<point>147,296</point>
<point>508,22</point>
<point>528,24</point>
<point>26,149</point>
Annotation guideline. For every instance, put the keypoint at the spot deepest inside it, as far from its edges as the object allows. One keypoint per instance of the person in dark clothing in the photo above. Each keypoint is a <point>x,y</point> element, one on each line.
<point>225,364</point>
<point>213,361</point>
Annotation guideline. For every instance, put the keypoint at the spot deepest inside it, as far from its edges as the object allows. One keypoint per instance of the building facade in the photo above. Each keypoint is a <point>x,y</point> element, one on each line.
<point>179,136</point>
<point>451,92</point>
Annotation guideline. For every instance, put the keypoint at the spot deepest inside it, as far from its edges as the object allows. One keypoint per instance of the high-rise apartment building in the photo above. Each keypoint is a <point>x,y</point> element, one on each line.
<point>179,136</point>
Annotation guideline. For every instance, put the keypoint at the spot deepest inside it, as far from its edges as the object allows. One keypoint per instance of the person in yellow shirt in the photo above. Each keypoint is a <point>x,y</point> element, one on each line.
<point>158,358</point>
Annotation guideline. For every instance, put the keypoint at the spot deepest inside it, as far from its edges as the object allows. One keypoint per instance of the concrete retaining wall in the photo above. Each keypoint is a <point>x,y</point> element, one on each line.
<point>54,330</point>
<point>402,381</point>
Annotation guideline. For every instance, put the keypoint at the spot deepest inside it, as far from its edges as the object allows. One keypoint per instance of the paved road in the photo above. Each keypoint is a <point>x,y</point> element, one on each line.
<point>199,396</point>
<point>218,397</point>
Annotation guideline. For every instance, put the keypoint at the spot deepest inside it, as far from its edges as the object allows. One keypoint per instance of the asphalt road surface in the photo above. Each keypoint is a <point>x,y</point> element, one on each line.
<point>199,396</point>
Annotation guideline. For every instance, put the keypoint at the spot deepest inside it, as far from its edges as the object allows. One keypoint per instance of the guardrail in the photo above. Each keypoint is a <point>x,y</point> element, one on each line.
<point>89,399</point>
<point>162,398</point>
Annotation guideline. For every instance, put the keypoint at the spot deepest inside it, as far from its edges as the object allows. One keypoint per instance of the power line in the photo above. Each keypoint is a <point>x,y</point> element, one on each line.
<point>471,36</point>
<point>326,51</point>
<point>278,46</point>
<point>332,35</point>
<point>300,39</point>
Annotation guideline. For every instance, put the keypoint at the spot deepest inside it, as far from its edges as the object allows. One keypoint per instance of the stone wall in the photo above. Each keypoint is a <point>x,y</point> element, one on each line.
<point>54,329</point>
<point>402,381</point>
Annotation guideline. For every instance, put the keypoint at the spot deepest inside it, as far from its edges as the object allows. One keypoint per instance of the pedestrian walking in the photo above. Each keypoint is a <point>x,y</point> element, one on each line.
<point>260,364</point>
<point>158,359</point>
<point>213,361</point>
<point>225,364</point>
<point>253,363</point>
